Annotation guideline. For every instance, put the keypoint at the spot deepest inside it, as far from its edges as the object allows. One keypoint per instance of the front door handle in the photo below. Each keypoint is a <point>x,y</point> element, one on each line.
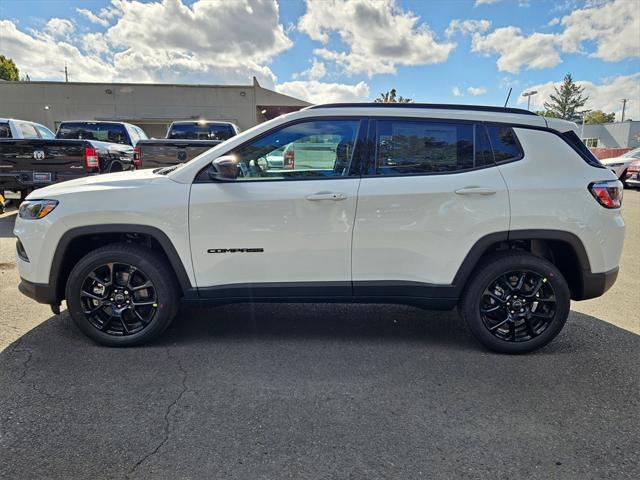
<point>335,196</point>
<point>475,191</point>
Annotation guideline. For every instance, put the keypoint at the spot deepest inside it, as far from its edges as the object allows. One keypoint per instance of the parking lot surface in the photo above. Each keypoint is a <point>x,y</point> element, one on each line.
<point>321,391</point>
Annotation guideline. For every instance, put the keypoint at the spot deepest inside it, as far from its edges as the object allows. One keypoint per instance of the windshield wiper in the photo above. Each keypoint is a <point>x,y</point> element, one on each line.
<point>165,170</point>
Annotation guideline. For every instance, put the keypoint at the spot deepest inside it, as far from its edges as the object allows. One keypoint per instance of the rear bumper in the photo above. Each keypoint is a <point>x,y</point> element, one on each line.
<point>595,284</point>
<point>41,293</point>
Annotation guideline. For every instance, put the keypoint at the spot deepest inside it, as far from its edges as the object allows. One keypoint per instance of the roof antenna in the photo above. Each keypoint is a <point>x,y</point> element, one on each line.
<point>508,95</point>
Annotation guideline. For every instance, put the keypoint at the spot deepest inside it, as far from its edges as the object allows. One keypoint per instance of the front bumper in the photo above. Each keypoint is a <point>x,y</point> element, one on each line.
<point>41,293</point>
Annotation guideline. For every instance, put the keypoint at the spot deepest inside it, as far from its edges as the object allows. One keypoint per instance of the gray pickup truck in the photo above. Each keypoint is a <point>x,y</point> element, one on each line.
<point>185,140</point>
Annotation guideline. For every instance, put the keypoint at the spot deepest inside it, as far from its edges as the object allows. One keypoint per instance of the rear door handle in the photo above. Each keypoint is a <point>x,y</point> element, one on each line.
<point>335,196</point>
<point>475,191</point>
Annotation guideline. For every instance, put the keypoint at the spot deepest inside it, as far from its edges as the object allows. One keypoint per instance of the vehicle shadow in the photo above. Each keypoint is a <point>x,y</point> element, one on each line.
<point>331,388</point>
<point>6,224</point>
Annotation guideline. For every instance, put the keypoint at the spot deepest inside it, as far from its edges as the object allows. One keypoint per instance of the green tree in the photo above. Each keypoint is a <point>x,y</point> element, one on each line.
<point>598,116</point>
<point>567,99</point>
<point>8,69</point>
<point>546,113</point>
<point>391,97</point>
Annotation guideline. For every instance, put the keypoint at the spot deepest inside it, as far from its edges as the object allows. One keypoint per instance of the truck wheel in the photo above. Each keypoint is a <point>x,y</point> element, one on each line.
<point>516,303</point>
<point>122,295</point>
<point>115,167</point>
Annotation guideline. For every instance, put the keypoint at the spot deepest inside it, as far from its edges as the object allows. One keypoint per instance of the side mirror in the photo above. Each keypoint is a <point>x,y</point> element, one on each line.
<point>225,168</point>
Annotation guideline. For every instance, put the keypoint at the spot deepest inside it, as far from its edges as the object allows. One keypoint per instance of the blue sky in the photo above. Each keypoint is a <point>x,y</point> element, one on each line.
<point>459,51</point>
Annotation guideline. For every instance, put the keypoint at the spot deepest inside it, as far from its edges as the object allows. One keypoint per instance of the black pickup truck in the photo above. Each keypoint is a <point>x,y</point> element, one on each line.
<point>185,140</point>
<point>27,164</point>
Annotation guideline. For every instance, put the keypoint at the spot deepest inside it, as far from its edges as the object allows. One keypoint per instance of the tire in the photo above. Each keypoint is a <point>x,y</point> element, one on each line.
<point>534,317</point>
<point>154,292</point>
<point>623,179</point>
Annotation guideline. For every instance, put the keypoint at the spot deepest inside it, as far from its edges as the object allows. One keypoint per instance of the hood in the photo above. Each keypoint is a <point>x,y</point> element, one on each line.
<point>119,180</point>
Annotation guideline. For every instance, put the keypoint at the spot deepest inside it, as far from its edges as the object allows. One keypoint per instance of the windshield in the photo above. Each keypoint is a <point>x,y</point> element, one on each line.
<point>103,132</point>
<point>201,131</point>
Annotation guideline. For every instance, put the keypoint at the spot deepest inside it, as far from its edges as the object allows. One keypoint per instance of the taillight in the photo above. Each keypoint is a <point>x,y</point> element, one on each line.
<point>91,158</point>
<point>137,157</point>
<point>607,193</point>
<point>289,159</point>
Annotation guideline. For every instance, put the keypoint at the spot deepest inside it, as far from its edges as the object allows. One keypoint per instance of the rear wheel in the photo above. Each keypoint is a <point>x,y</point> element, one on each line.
<point>516,303</point>
<point>122,295</point>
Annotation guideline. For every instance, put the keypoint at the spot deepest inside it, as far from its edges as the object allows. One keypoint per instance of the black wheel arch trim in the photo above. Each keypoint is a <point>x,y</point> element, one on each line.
<point>592,284</point>
<point>164,241</point>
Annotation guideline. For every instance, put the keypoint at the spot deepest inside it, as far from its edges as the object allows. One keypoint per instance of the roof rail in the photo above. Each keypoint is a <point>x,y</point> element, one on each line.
<point>432,106</point>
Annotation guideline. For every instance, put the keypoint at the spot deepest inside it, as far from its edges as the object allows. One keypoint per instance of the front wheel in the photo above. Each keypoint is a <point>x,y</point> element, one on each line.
<point>516,303</point>
<point>122,295</point>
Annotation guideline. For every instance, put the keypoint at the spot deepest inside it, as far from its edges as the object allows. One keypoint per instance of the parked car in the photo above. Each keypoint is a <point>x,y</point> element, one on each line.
<point>12,128</point>
<point>112,132</point>
<point>27,163</point>
<point>185,140</point>
<point>498,211</point>
<point>619,165</point>
<point>633,174</point>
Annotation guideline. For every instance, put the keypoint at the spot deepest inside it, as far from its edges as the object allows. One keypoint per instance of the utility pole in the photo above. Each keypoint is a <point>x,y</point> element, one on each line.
<point>66,73</point>
<point>624,106</point>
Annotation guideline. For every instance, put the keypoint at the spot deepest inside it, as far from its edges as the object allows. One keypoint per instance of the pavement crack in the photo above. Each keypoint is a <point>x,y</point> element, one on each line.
<point>167,423</point>
<point>17,347</point>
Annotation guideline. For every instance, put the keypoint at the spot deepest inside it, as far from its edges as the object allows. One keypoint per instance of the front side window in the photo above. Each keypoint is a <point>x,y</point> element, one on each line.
<point>312,149</point>
<point>505,143</point>
<point>45,132</point>
<point>28,130</point>
<point>409,147</point>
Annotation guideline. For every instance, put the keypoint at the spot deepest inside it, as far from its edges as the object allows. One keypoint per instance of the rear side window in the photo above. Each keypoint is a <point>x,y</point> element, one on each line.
<point>5,131</point>
<point>103,132</point>
<point>483,154</point>
<point>504,143</point>
<point>28,130</point>
<point>406,147</point>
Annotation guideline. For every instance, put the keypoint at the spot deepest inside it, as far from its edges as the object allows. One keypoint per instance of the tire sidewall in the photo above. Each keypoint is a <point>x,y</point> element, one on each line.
<point>148,264</point>
<point>471,301</point>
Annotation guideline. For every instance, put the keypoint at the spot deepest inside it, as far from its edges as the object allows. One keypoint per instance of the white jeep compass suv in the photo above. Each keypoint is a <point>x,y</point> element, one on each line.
<point>499,211</point>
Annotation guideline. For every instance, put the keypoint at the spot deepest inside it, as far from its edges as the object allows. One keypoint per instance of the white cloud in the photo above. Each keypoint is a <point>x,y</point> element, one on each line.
<point>516,50</point>
<point>613,27</point>
<point>379,35</point>
<point>319,92</point>
<point>605,96</point>
<point>486,2</point>
<point>60,28</point>
<point>466,26</point>
<point>553,22</point>
<point>316,71</point>
<point>475,91</point>
<point>456,92</point>
<point>209,41</point>
<point>92,17</point>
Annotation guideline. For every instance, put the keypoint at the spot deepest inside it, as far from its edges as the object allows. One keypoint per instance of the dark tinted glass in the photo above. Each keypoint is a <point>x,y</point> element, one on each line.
<point>484,155</point>
<point>5,131</point>
<point>201,131</point>
<point>102,132</point>
<point>572,139</point>
<point>313,149</point>
<point>417,146</point>
<point>504,142</point>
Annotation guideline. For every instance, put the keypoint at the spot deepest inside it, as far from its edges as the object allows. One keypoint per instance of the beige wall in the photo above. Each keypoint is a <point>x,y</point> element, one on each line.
<point>136,103</point>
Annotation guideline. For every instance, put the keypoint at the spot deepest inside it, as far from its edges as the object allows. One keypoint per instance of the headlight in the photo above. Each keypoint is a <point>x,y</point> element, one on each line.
<point>36,209</point>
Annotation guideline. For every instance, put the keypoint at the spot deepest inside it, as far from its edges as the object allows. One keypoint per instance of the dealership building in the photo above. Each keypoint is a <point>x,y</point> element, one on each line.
<point>150,106</point>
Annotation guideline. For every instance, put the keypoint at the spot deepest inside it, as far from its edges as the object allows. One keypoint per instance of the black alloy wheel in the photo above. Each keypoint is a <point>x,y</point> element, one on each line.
<point>518,306</point>
<point>118,299</point>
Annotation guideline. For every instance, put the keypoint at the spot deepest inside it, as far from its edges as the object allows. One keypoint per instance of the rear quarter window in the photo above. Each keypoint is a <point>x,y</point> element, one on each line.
<point>504,143</point>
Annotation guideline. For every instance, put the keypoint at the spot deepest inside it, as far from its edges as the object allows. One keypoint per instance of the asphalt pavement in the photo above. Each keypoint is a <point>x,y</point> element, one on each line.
<point>273,391</point>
